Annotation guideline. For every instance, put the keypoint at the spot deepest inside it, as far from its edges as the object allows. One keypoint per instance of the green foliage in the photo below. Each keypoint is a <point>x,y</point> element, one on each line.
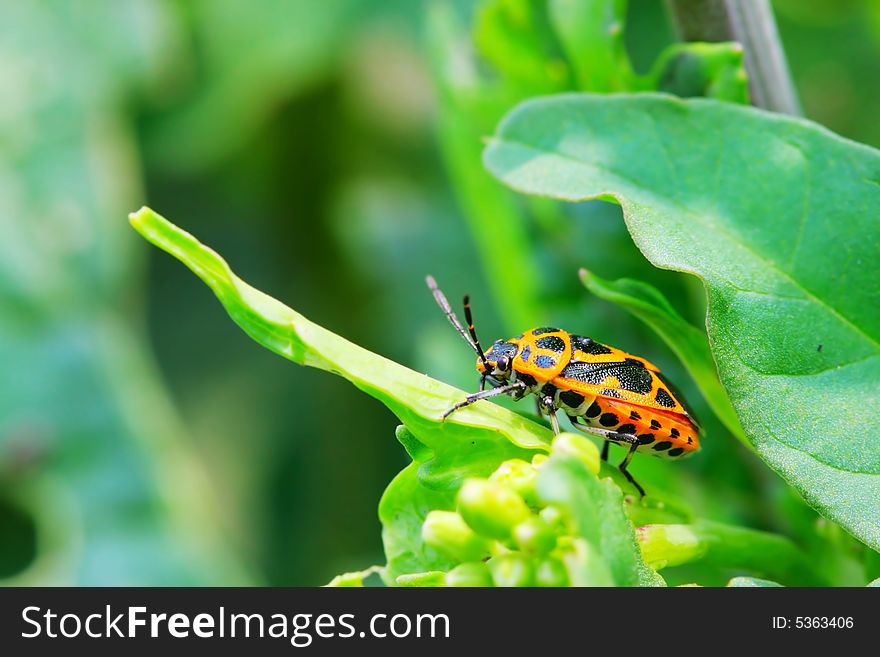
<point>91,450</point>
<point>773,214</point>
<point>524,48</point>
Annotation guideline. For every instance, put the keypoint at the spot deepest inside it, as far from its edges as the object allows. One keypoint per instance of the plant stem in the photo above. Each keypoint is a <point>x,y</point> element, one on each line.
<point>759,553</point>
<point>751,24</point>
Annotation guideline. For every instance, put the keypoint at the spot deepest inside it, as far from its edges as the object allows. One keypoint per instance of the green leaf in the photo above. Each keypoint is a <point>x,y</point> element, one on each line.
<point>355,579</point>
<point>687,341</point>
<point>480,433</point>
<point>470,443</point>
<point>777,216</point>
<point>596,510</point>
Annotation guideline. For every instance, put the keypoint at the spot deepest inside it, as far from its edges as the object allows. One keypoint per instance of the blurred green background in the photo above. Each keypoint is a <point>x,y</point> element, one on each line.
<point>143,438</point>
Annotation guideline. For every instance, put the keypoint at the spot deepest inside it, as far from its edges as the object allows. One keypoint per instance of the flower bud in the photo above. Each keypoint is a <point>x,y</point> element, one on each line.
<point>519,476</point>
<point>551,572</point>
<point>447,532</point>
<point>534,536</point>
<point>491,509</point>
<point>554,517</point>
<point>578,447</point>
<point>472,573</point>
<point>511,570</point>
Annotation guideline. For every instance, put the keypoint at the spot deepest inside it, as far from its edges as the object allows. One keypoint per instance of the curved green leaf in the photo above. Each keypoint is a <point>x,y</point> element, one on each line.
<point>482,433</point>
<point>778,217</point>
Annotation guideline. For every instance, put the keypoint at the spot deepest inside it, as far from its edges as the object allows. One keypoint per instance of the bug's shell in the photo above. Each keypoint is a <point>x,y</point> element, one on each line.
<point>606,387</point>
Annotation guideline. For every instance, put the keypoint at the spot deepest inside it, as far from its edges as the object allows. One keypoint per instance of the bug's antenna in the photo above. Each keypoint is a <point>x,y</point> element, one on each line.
<point>440,298</point>
<point>473,332</point>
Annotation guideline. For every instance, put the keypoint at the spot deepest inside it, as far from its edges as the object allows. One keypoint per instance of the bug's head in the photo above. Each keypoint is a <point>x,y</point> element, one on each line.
<point>499,362</point>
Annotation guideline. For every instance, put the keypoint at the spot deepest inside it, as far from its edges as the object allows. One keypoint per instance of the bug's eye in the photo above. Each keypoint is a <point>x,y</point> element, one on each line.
<point>503,363</point>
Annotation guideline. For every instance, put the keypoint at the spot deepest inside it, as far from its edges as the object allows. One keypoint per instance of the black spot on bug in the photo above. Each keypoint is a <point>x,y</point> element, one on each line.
<point>634,416</point>
<point>690,440</point>
<point>528,379</point>
<point>608,420</point>
<point>549,390</point>
<point>526,352</point>
<point>593,410</point>
<point>627,428</point>
<point>545,362</point>
<point>675,451</point>
<point>662,397</point>
<point>629,377</point>
<point>656,425</point>
<point>645,438</point>
<point>662,446</point>
<point>588,345</point>
<point>545,329</point>
<point>551,342</point>
<point>674,433</point>
<point>610,392</point>
<point>571,399</point>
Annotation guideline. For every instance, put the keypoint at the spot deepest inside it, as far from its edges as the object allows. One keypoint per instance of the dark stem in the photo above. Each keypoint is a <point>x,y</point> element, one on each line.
<point>752,25</point>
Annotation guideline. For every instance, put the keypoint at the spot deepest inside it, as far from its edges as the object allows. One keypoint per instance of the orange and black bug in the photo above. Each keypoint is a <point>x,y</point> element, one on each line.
<point>604,391</point>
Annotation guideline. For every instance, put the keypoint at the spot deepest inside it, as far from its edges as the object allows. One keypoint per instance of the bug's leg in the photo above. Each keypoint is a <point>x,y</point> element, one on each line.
<point>483,394</point>
<point>633,446</point>
<point>554,422</point>
<point>575,422</point>
<point>482,383</point>
<point>628,438</point>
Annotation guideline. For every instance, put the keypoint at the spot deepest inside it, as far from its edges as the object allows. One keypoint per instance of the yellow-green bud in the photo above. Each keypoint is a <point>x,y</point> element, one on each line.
<point>512,570</point>
<point>554,517</point>
<point>520,476</point>
<point>490,508</point>
<point>578,447</point>
<point>473,573</point>
<point>551,572</point>
<point>447,532</point>
<point>534,536</point>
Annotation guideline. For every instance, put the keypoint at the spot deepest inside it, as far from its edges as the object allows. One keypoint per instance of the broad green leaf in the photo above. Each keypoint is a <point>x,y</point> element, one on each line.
<point>596,509</point>
<point>482,433</point>
<point>687,341</point>
<point>778,217</point>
